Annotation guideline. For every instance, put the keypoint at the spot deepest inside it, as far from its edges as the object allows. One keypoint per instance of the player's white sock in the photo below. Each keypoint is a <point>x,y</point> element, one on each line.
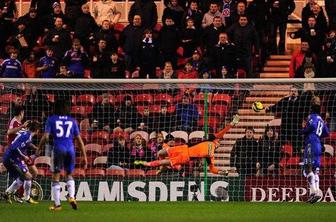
<point>56,192</point>
<point>311,182</point>
<point>317,182</point>
<point>27,187</point>
<point>14,186</point>
<point>71,188</point>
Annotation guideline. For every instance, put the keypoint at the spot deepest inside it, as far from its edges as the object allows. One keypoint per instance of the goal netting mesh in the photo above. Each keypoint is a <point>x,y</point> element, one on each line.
<point>123,122</point>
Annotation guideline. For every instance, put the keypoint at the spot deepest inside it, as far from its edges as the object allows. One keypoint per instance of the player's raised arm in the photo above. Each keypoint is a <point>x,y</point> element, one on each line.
<point>82,148</point>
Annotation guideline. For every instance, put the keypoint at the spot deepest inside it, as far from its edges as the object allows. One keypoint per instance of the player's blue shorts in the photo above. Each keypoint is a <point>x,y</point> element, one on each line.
<point>16,167</point>
<point>312,154</point>
<point>63,159</point>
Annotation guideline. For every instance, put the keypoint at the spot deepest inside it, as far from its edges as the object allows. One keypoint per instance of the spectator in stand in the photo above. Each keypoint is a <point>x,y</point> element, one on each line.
<point>190,38</point>
<point>312,34</point>
<point>211,33</point>
<point>36,105</point>
<point>29,66</point>
<point>188,72</point>
<point>9,10</point>
<point>244,36</point>
<point>59,39</point>
<point>147,10</point>
<point>11,68</point>
<point>165,121</point>
<point>100,61</point>
<point>130,40</point>
<point>208,17</point>
<point>327,60</point>
<point>73,9</point>
<point>21,39</point>
<point>146,120</point>
<point>128,115</point>
<point>48,64</point>
<point>169,40</point>
<point>308,61</point>
<point>106,10</point>
<point>85,26</point>
<point>186,114</point>
<point>117,67</point>
<point>148,56</point>
<point>168,71</point>
<point>298,57</point>
<point>156,144</point>
<point>139,151</point>
<point>244,154</point>
<point>118,156</point>
<point>198,62</point>
<point>33,25</point>
<point>224,59</point>
<point>5,30</point>
<point>76,59</point>
<point>63,72</point>
<point>175,12</point>
<point>306,12</point>
<point>269,153</point>
<point>43,7</point>
<point>293,110</point>
<point>280,10</point>
<point>104,114</point>
<point>234,17</point>
<point>318,14</point>
<point>107,33</point>
<point>193,13</point>
<point>330,7</point>
<point>49,20</point>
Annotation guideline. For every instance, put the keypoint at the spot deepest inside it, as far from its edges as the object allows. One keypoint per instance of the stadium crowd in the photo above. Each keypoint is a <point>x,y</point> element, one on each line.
<point>223,39</point>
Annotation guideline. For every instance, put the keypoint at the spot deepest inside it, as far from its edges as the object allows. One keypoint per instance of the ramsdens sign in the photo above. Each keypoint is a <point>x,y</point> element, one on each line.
<point>290,189</point>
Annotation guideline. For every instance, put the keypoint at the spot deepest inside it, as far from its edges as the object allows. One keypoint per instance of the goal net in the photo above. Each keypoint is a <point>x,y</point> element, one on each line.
<point>123,123</point>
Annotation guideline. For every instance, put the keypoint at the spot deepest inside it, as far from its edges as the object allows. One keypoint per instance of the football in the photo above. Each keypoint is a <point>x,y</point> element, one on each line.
<point>257,106</point>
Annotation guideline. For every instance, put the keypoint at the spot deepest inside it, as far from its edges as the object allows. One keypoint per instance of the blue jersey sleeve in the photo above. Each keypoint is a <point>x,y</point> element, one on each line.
<point>48,126</point>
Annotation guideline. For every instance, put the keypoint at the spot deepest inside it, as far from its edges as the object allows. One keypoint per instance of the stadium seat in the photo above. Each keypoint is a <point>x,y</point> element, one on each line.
<point>199,98</point>
<point>155,109</point>
<point>171,109</point>
<point>78,111</point>
<point>85,136</point>
<point>143,134</point>
<point>163,98</point>
<point>221,99</point>
<point>135,173</point>
<point>2,149</point>
<point>332,135</point>
<point>152,135</point>
<point>119,99</point>
<point>329,150</point>
<point>293,162</point>
<point>73,100</point>
<point>51,98</point>
<point>86,99</point>
<point>283,163</point>
<point>8,98</point>
<point>93,149</point>
<point>158,27</point>
<point>118,27</point>
<point>92,172</point>
<point>151,173</point>
<point>78,172</point>
<point>292,172</point>
<point>181,137</point>
<point>218,110</point>
<point>106,148</point>
<point>111,99</point>
<point>287,150</point>
<point>3,110</point>
<point>100,162</point>
<point>115,173</point>
<point>143,99</point>
<point>178,98</point>
<point>196,136</point>
<point>43,162</point>
<point>326,161</point>
<point>100,137</point>
<point>212,122</point>
<point>117,134</point>
<point>41,172</point>
<point>140,109</point>
<point>275,122</point>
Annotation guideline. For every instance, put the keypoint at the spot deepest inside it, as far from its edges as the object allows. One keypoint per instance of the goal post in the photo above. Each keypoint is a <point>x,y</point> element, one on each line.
<point>127,121</point>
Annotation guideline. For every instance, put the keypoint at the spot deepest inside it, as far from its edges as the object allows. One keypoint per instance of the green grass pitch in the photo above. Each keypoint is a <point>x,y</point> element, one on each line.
<point>170,211</point>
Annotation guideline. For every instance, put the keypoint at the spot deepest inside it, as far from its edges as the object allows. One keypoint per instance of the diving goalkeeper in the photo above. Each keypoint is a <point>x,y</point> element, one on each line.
<point>179,155</point>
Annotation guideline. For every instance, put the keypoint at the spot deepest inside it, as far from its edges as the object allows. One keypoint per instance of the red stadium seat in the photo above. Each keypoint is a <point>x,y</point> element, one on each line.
<point>222,99</point>
<point>155,109</point>
<point>51,98</point>
<point>293,162</point>
<point>120,99</point>
<point>2,149</point>
<point>79,111</point>
<point>78,172</point>
<point>100,137</point>
<point>8,98</point>
<point>326,161</point>
<point>218,110</point>
<point>140,109</point>
<point>151,173</point>
<point>135,173</point>
<point>87,74</point>
<point>85,136</point>
<point>106,148</point>
<point>93,149</point>
<point>92,172</point>
<point>171,109</point>
<point>163,98</point>
<point>115,135</point>
<point>43,162</point>
<point>115,173</point>
<point>143,99</point>
<point>100,162</point>
<point>212,122</point>
<point>199,98</point>
<point>3,110</point>
<point>41,172</point>
<point>292,172</point>
<point>178,98</point>
<point>86,99</point>
<point>119,27</point>
<point>111,99</point>
<point>287,150</point>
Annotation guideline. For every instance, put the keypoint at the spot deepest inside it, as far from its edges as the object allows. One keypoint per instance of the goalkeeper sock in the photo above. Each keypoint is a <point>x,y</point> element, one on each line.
<point>71,188</point>
<point>317,182</point>
<point>154,163</point>
<point>56,192</point>
<point>27,187</point>
<point>14,186</point>
<point>311,182</point>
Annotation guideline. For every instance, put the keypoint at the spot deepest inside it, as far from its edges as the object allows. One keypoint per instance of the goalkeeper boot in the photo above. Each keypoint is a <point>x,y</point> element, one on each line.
<point>31,201</point>
<point>315,199</point>
<point>139,162</point>
<point>73,203</point>
<point>8,197</point>
<point>55,208</point>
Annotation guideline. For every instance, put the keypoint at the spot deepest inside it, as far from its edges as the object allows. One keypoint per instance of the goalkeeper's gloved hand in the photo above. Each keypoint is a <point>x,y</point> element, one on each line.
<point>235,120</point>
